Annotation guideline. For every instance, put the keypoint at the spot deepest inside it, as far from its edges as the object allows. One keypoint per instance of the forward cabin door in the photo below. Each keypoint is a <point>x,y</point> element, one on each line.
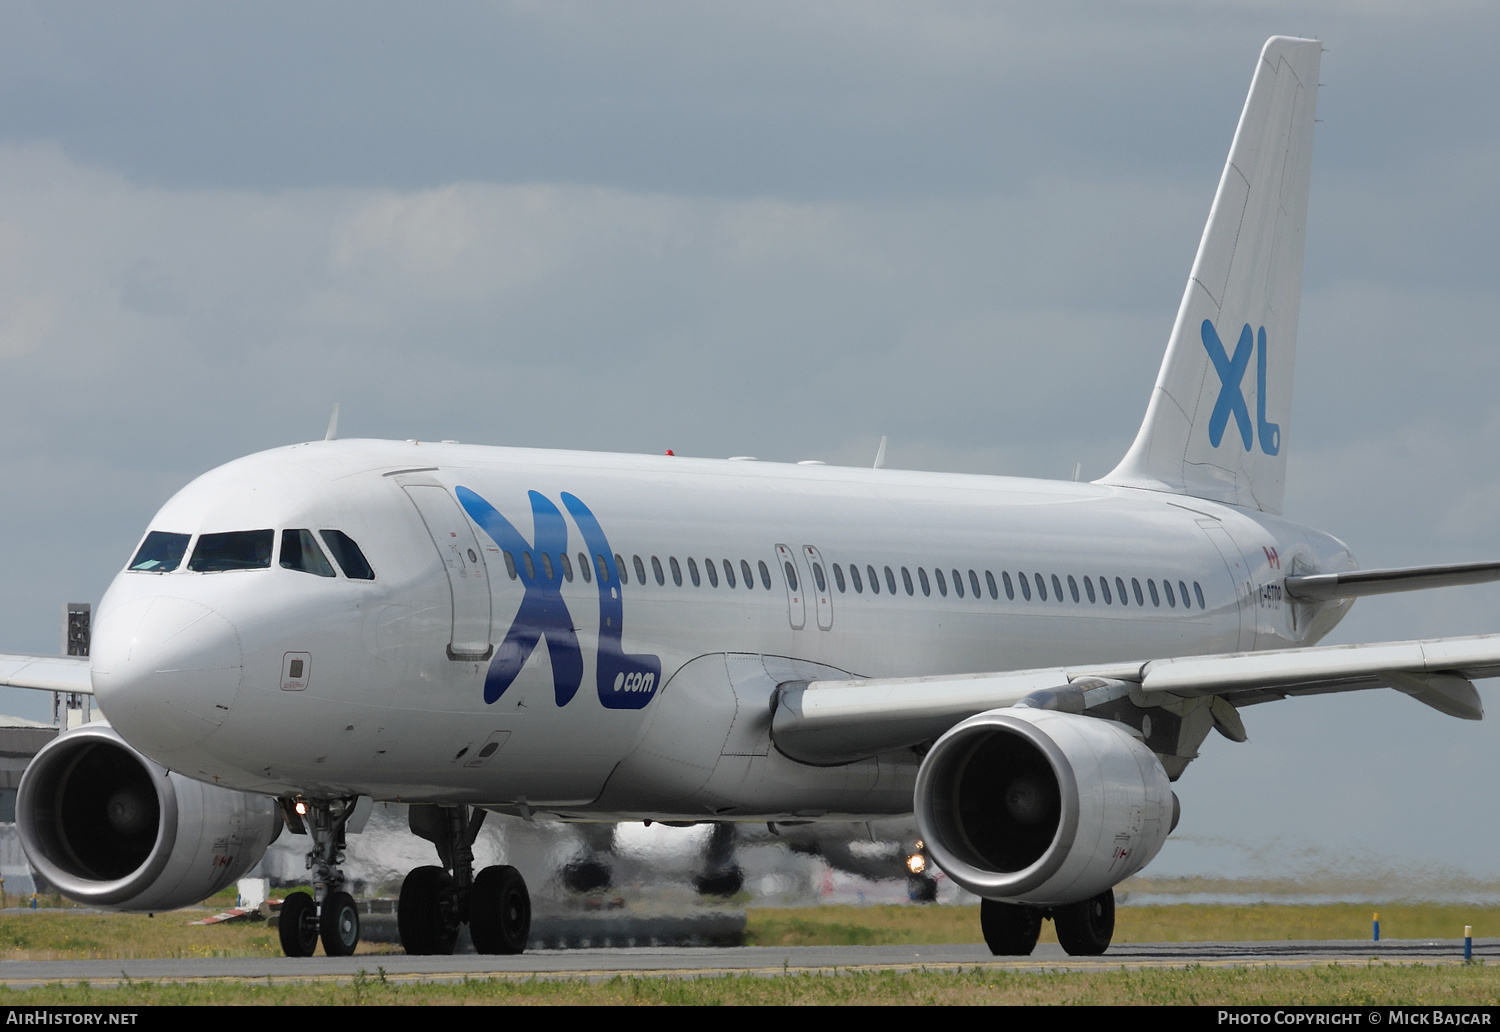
<point>463,559</point>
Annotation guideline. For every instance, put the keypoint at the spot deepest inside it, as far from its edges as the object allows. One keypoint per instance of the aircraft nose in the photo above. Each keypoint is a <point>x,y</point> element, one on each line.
<point>165,671</point>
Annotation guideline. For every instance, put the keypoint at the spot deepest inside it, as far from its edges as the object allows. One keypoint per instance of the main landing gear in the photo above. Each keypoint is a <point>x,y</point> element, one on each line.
<point>434,902</point>
<point>330,914</point>
<point>1084,929</point>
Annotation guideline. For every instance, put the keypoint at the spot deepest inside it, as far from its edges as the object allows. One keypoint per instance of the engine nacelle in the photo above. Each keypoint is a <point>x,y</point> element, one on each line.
<point>1037,806</point>
<point>108,827</point>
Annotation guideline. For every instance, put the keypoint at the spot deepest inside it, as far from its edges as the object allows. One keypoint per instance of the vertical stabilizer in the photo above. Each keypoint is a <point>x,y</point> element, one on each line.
<point>1217,424</point>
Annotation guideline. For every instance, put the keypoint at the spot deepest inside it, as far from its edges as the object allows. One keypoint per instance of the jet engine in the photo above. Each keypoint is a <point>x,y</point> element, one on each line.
<point>1042,807</point>
<point>107,827</point>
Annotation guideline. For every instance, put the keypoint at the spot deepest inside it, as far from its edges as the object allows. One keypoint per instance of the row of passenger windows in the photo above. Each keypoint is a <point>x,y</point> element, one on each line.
<point>1029,585</point>
<point>162,552</point>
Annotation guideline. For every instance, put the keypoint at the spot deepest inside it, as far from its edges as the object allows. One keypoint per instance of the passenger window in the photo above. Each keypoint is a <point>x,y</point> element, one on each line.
<point>974,582</point>
<point>890,581</point>
<point>640,569</point>
<point>942,582</point>
<point>1197,591</point>
<point>603,567</point>
<point>821,580</point>
<point>728,573</point>
<point>347,554</point>
<point>989,580</point>
<point>530,567</point>
<point>1088,588</point>
<point>1140,599</point>
<point>236,550</point>
<point>1041,587</point>
<point>1025,586</point>
<point>791,576</point>
<point>1182,590</point>
<point>510,564</point>
<point>567,567</point>
<point>1155,598</point>
<point>693,572</point>
<point>958,584</point>
<point>676,571</point>
<point>859,587</point>
<point>1104,590</point>
<point>712,571</point>
<point>1057,588</point>
<point>906,581</point>
<point>874,580</point>
<point>620,568</point>
<point>765,574</point>
<point>161,552</point>
<point>1073,587</point>
<point>1120,590</point>
<point>748,577</point>
<point>547,565</point>
<point>300,551</point>
<point>1166,586</point>
<point>656,572</point>
<point>921,576</point>
<point>838,578</point>
<point>583,568</point>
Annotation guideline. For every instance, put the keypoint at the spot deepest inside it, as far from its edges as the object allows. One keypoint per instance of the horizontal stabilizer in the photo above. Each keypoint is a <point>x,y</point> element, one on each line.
<point>47,673</point>
<point>1321,586</point>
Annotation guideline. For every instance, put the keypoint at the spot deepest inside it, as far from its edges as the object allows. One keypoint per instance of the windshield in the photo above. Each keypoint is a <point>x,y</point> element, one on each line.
<point>161,552</point>
<point>236,550</point>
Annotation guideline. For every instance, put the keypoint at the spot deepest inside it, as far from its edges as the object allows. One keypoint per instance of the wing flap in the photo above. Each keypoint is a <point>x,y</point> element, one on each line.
<point>46,673</point>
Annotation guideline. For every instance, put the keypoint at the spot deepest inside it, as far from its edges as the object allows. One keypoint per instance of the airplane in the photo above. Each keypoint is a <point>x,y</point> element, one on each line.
<point>1025,665</point>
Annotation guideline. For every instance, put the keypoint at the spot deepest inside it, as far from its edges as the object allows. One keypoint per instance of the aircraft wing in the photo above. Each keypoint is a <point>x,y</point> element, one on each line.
<point>48,673</point>
<point>828,722</point>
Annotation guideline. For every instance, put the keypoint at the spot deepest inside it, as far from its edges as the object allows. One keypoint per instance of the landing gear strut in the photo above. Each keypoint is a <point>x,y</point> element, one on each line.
<point>434,903</point>
<point>330,913</point>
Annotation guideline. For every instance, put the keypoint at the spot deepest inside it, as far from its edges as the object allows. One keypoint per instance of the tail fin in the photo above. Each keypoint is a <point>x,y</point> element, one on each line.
<point>1216,426</point>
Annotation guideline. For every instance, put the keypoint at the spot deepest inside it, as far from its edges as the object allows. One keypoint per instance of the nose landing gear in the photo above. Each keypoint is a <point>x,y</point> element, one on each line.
<point>332,915</point>
<point>434,902</point>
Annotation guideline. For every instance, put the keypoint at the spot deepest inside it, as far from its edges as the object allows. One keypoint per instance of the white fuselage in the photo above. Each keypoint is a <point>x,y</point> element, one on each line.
<point>193,668</point>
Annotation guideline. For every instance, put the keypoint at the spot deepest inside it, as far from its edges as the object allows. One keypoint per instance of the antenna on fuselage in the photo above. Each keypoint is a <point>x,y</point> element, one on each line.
<point>1077,469</point>
<point>880,454</point>
<point>333,425</point>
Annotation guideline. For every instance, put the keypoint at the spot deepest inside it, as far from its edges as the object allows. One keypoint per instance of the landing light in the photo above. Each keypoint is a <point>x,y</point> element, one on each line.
<point>916,863</point>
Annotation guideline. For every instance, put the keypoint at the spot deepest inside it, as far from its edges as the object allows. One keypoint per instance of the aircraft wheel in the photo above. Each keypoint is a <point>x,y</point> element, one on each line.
<point>1085,928</point>
<point>298,925</point>
<point>426,913</point>
<point>723,883</point>
<point>339,925</point>
<point>500,911</point>
<point>1010,929</point>
<point>587,875</point>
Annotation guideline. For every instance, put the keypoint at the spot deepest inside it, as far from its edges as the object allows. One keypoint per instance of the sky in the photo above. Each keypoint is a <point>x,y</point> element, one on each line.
<point>774,229</point>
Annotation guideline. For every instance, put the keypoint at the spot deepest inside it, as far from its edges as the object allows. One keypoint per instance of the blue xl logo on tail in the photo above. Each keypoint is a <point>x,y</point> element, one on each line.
<point>624,681</point>
<point>1231,398</point>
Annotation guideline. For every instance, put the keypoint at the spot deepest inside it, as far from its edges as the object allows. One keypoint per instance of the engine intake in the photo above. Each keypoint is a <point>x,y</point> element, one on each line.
<point>1042,807</point>
<point>108,827</point>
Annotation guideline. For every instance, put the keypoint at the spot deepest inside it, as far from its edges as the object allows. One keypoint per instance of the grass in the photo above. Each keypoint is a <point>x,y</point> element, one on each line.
<point>1374,984</point>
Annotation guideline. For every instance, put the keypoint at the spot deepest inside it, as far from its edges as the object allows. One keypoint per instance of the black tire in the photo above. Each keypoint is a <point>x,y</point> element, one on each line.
<point>1085,929</point>
<point>1010,929</point>
<point>587,875</point>
<point>339,925</point>
<point>921,889</point>
<point>724,883</point>
<point>500,911</point>
<point>427,912</point>
<point>297,924</point>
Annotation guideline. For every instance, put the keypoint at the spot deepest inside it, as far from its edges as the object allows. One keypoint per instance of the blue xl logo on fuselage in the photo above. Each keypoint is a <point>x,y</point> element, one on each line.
<point>624,681</point>
<point>1231,398</point>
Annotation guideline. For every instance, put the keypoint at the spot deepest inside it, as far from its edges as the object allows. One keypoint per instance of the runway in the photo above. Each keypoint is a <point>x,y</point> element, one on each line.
<point>752,960</point>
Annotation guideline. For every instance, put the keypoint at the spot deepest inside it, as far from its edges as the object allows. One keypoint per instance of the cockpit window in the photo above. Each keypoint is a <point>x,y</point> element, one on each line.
<point>300,551</point>
<point>347,554</point>
<point>160,552</point>
<point>236,550</point>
